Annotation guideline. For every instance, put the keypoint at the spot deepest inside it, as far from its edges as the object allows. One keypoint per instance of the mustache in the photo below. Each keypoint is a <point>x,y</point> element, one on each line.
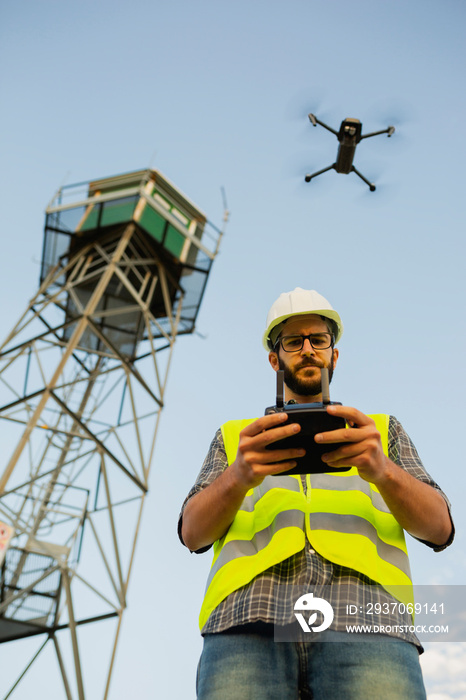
<point>310,363</point>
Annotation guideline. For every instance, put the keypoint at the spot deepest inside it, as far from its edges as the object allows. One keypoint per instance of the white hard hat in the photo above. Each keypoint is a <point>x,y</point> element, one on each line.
<point>296,303</point>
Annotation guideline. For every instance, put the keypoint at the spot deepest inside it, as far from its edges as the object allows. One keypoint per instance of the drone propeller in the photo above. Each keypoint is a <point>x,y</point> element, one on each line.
<point>310,100</point>
<point>391,111</point>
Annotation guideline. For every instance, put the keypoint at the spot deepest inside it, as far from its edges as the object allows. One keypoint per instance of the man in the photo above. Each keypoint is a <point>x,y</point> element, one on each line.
<point>339,535</point>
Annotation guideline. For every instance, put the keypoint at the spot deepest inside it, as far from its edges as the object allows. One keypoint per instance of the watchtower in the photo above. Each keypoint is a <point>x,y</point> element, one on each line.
<point>124,267</point>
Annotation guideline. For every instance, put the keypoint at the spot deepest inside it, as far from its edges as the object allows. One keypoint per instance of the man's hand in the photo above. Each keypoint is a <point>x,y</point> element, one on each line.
<point>254,461</point>
<point>364,445</point>
<point>417,506</point>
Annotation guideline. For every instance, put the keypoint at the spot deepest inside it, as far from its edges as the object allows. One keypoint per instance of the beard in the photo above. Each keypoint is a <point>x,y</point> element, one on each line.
<point>305,386</point>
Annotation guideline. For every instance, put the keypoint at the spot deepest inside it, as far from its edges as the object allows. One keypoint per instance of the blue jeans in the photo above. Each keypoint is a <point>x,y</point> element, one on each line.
<point>255,667</point>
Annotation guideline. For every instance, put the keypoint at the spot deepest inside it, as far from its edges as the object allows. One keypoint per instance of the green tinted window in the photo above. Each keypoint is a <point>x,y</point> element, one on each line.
<point>174,241</point>
<point>118,211</point>
<point>153,223</point>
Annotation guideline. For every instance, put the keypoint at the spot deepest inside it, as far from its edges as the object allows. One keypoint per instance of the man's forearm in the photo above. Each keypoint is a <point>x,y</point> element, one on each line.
<point>209,514</point>
<point>417,506</point>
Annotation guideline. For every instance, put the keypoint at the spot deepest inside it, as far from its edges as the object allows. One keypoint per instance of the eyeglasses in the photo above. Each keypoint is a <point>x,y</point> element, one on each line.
<point>295,343</point>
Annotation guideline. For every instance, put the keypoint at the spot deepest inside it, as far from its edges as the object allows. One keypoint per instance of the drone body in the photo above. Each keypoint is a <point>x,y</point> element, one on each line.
<point>349,136</point>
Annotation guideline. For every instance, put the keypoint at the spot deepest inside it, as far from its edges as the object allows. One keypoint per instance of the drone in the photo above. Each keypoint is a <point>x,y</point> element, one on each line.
<point>349,136</point>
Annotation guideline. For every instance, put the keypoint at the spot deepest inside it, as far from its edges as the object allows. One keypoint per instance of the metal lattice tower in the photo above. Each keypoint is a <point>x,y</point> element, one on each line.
<point>82,381</point>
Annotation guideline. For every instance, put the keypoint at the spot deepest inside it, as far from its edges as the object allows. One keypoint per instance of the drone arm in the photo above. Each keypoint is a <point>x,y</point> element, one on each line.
<point>371,184</point>
<point>314,121</point>
<point>390,130</point>
<point>308,177</point>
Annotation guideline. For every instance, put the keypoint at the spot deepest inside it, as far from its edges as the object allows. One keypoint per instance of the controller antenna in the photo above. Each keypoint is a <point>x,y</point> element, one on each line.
<point>325,385</point>
<point>280,383</point>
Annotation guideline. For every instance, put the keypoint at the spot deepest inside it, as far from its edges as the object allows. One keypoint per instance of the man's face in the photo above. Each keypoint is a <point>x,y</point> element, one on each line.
<point>302,368</point>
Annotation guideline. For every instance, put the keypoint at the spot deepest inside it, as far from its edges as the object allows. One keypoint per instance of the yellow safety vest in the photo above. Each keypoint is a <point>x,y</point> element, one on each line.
<point>344,518</point>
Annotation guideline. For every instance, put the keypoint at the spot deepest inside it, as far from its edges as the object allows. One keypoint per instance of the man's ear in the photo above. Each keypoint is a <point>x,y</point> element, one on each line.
<point>273,359</point>
<point>335,357</point>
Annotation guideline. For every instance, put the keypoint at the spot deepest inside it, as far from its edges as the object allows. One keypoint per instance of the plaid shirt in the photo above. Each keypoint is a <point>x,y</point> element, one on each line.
<point>270,597</point>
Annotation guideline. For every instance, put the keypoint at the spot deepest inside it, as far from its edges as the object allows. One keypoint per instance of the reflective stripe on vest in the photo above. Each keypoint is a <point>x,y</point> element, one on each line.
<point>344,518</point>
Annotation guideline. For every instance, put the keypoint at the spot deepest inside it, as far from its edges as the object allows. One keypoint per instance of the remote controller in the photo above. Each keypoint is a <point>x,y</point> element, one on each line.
<point>313,418</point>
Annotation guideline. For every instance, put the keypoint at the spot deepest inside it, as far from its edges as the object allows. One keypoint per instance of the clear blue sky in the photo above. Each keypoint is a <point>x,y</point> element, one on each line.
<point>216,94</point>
